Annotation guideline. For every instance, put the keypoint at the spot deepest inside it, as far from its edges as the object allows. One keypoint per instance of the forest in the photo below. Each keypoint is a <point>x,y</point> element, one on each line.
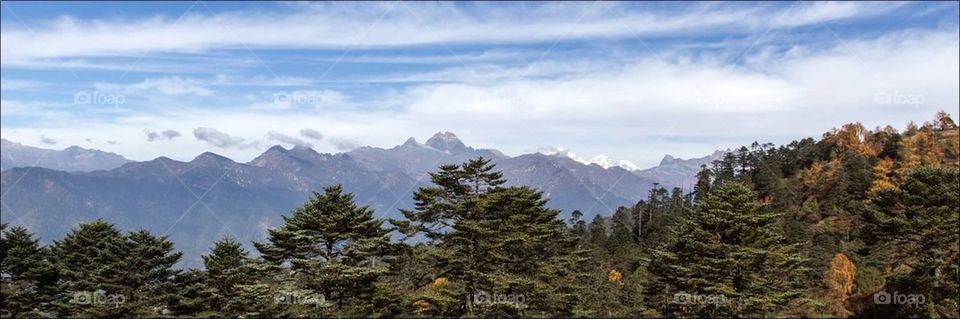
<point>860,223</point>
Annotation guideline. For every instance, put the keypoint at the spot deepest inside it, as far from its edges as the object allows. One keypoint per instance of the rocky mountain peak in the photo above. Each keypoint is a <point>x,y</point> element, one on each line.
<point>411,142</point>
<point>210,158</point>
<point>446,141</point>
<point>667,159</point>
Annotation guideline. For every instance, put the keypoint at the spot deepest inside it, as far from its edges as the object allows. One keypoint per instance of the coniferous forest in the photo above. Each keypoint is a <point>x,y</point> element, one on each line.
<point>858,223</point>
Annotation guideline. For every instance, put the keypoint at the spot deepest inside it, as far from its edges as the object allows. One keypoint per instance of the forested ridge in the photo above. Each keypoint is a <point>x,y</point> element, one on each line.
<point>859,223</point>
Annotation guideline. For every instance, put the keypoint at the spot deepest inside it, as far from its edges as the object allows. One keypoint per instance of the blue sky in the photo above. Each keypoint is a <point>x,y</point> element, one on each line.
<point>632,81</point>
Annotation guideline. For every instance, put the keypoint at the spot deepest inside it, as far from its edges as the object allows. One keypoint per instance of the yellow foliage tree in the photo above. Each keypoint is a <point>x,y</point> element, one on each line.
<point>919,149</point>
<point>811,175</point>
<point>839,279</point>
<point>882,173</point>
<point>852,137</point>
<point>439,282</point>
<point>615,276</point>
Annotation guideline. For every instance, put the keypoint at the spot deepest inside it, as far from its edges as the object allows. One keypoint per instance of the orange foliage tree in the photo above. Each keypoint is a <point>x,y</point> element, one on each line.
<point>839,279</point>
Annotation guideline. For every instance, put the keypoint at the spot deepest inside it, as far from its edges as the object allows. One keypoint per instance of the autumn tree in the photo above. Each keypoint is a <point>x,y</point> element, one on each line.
<point>839,279</point>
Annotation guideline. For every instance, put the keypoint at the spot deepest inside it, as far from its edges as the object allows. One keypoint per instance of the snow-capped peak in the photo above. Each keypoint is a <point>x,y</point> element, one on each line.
<point>602,160</point>
<point>606,162</point>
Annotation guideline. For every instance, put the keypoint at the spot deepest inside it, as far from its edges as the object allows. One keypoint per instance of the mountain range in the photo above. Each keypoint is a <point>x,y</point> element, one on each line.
<point>71,159</point>
<point>211,196</point>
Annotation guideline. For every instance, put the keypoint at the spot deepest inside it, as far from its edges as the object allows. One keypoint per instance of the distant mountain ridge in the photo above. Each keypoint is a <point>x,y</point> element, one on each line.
<point>210,196</point>
<point>70,159</point>
<point>675,172</point>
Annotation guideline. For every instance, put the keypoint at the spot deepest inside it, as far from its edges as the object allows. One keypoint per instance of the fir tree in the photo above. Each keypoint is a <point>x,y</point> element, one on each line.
<point>92,261</point>
<point>485,234</point>
<point>726,259</point>
<point>27,276</point>
<point>149,274</point>
<point>225,270</point>
<point>704,180</point>
<point>914,230</point>
<point>333,247</point>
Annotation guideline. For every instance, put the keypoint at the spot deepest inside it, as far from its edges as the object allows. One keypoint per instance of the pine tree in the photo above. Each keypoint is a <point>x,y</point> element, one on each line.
<point>92,261</point>
<point>704,180</point>
<point>914,228</point>
<point>521,223</point>
<point>334,249</point>
<point>149,274</point>
<point>728,257</point>
<point>485,234</point>
<point>192,295</point>
<point>225,270</point>
<point>27,277</point>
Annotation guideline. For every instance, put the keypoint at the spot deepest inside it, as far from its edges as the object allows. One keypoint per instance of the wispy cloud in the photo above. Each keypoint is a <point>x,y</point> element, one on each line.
<point>8,84</point>
<point>287,139</point>
<point>48,140</point>
<point>170,86</point>
<point>628,79</point>
<point>311,134</point>
<point>220,139</point>
<point>162,135</point>
<point>325,25</point>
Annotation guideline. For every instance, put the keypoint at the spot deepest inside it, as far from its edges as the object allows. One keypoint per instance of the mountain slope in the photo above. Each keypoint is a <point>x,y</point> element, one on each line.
<point>71,159</point>
<point>211,196</point>
<point>675,172</point>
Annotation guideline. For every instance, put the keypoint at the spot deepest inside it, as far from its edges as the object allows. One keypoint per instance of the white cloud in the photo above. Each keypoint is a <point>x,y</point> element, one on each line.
<point>311,134</point>
<point>638,110</point>
<point>287,139</point>
<point>170,86</point>
<point>220,139</point>
<point>8,84</point>
<point>396,24</point>
<point>48,140</point>
<point>159,136</point>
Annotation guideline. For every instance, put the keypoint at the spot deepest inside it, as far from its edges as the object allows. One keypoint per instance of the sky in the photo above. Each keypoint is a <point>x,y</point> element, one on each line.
<point>632,81</point>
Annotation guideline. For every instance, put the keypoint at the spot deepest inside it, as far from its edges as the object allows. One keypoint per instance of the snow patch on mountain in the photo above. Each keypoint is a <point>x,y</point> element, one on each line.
<point>601,160</point>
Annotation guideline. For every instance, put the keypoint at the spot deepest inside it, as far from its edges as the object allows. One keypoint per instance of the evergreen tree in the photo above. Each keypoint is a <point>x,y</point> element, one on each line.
<point>333,247</point>
<point>485,234</point>
<point>27,277</point>
<point>914,229</point>
<point>192,295</point>
<point>92,261</point>
<point>577,225</point>
<point>149,274</point>
<point>726,259</point>
<point>704,179</point>
<point>225,270</point>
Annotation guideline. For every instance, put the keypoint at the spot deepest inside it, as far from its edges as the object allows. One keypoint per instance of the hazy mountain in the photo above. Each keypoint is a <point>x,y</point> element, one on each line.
<point>675,172</point>
<point>211,196</point>
<point>71,159</point>
<point>417,159</point>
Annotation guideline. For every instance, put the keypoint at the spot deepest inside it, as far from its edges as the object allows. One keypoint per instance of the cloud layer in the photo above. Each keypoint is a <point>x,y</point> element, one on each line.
<point>402,24</point>
<point>632,81</point>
